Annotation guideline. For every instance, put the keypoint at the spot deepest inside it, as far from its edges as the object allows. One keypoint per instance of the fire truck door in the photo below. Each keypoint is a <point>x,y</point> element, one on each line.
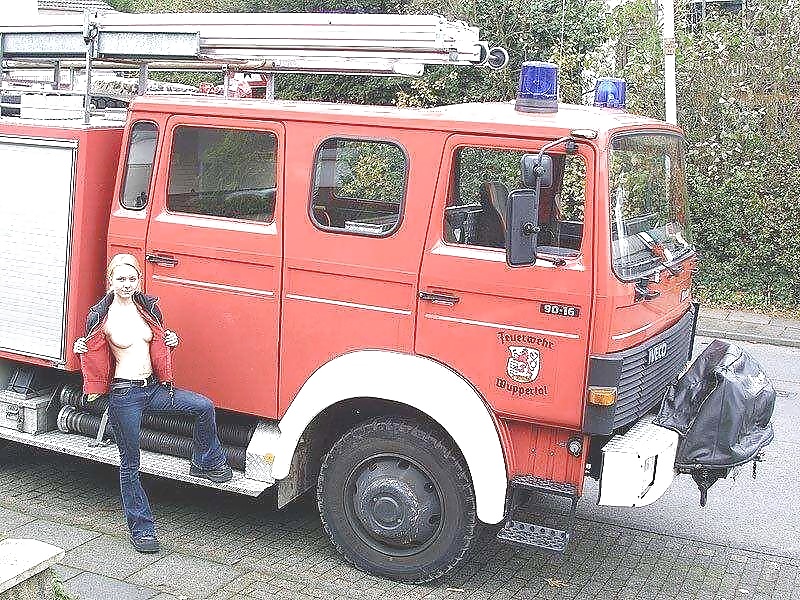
<point>214,256</point>
<point>519,335</point>
<point>353,254</point>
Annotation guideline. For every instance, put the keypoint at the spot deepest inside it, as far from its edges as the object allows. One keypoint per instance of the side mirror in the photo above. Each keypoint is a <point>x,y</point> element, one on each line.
<point>534,173</point>
<point>523,227</point>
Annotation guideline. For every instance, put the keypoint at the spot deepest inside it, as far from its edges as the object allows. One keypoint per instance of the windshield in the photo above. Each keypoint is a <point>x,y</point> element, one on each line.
<point>647,187</point>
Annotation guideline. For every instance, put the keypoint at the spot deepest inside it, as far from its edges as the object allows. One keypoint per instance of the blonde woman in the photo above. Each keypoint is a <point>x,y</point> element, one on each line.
<point>126,353</point>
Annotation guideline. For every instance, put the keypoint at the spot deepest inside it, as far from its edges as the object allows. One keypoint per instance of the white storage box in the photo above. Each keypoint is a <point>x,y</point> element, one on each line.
<point>639,466</point>
<point>30,415</point>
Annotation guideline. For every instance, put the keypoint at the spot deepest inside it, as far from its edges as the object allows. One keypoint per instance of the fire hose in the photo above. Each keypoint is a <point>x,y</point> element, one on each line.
<point>72,420</point>
<point>231,429</point>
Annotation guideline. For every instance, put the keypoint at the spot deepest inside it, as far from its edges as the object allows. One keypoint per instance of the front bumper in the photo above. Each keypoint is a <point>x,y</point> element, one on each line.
<point>638,466</point>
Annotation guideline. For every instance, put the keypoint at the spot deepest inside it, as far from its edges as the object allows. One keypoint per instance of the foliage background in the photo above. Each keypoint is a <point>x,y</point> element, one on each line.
<point>738,102</point>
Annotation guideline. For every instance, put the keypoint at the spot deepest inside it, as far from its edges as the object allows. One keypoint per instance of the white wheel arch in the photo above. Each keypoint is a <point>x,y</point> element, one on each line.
<point>421,383</point>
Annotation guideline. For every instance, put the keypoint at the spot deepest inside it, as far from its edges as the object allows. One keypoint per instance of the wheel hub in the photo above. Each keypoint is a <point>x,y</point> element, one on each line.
<point>396,503</point>
<point>387,511</point>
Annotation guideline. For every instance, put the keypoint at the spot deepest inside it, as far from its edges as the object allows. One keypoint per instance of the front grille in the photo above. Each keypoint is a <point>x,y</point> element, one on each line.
<point>641,386</point>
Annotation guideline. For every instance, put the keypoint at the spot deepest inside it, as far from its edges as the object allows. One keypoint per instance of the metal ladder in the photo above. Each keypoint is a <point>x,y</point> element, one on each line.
<point>334,43</point>
<point>265,43</point>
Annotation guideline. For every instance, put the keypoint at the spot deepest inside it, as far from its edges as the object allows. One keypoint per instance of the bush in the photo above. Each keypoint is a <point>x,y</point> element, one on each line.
<point>739,105</point>
<point>739,102</point>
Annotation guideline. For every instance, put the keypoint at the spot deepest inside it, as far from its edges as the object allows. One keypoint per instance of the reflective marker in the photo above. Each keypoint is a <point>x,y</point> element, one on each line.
<point>602,396</point>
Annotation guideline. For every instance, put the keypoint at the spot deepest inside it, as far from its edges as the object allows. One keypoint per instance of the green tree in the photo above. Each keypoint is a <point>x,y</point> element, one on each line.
<point>739,105</point>
<point>739,82</point>
<point>566,32</point>
<point>635,38</point>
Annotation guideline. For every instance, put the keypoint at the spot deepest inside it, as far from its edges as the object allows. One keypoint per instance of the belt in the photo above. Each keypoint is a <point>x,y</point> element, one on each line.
<point>119,383</point>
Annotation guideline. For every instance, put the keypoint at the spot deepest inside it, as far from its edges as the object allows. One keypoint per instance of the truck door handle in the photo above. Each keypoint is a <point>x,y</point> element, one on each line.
<point>160,259</point>
<point>439,298</point>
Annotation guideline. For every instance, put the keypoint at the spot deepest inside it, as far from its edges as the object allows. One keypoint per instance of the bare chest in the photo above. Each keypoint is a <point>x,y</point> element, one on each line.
<point>125,327</point>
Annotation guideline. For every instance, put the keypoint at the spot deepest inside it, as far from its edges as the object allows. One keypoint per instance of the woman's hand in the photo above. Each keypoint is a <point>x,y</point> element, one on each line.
<point>79,347</point>
<point>170,338</point>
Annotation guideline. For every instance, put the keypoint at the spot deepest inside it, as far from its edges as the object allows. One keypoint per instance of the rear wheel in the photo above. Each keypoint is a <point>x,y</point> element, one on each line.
<point>397,501</point>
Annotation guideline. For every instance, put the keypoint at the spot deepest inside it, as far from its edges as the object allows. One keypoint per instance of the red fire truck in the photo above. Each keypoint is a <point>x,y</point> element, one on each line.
<point>429,316</point>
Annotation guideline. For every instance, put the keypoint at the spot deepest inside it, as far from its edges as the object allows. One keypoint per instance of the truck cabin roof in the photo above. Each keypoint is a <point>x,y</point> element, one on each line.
<point>486,118</point>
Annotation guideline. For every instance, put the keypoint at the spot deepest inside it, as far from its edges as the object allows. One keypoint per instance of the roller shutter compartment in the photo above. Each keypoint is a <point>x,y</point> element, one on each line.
<point>37,182</point>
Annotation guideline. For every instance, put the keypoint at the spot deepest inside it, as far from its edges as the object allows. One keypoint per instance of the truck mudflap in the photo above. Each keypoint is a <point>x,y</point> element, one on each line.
<point>721,407</point>
<point>638,466</point>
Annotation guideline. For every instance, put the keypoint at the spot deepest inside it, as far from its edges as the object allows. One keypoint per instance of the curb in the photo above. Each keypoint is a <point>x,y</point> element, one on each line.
<point>746,337</point>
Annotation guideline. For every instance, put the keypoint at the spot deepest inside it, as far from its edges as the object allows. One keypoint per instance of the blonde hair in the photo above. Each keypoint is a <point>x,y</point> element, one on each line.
<point>122,259</point>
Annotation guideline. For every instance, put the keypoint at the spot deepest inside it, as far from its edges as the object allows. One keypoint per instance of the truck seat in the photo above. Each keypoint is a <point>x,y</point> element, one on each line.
<point>491,222</point>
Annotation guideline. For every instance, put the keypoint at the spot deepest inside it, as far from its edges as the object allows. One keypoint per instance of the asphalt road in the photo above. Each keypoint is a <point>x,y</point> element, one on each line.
<point>760,514</point>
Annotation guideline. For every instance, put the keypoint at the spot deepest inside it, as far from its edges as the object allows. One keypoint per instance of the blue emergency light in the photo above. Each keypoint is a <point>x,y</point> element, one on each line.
<point>610,92</point>
<point>538,87</point>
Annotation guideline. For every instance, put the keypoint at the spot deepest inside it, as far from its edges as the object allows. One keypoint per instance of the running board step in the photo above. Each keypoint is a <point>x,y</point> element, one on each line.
<point>529,535</point>
<point>521,532</point>
<point>152,463</point>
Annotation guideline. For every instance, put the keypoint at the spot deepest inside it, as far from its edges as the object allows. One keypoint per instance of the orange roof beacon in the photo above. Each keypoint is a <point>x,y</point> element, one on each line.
<point>427,315</point>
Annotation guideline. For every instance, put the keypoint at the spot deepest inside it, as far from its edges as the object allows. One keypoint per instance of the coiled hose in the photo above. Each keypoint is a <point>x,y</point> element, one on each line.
<point>233,430</point>
<point>71,420</point>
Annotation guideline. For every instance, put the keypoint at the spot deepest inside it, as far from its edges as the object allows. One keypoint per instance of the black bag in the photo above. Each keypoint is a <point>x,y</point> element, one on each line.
<point>721,407</point>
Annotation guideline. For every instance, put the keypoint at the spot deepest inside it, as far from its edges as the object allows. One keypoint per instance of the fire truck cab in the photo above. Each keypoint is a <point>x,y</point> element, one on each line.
<point>427,315</point>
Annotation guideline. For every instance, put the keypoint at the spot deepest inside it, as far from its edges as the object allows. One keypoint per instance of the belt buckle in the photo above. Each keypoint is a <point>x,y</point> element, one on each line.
<point>144,383</point>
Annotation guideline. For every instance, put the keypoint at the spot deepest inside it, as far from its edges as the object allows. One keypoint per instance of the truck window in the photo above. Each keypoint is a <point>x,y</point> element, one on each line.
<point>139,165</point>
<point>650,225</point>
<point>358,186</point>
<point>481,181</point>
<point>223,173</point>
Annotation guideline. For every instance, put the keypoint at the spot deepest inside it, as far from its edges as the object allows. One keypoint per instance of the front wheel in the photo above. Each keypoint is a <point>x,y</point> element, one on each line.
<point>397,501</point>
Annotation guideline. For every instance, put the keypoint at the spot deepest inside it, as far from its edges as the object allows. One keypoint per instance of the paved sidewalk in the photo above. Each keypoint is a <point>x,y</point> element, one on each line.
<point>225,547</point>
<point>748,327</point>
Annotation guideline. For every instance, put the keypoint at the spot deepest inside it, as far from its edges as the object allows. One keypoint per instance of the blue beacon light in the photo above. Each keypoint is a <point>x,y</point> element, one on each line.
<point>538,87</point>
<point>610,92</point>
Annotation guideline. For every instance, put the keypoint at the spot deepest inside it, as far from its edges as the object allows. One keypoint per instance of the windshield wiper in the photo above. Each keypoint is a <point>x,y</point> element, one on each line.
<point>658,251</point>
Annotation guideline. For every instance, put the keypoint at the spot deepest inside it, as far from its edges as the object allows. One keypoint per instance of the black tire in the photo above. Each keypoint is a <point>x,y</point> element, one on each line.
<point>396,501</point>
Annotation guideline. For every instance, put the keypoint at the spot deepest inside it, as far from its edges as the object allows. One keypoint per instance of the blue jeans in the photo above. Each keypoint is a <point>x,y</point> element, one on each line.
<point>125,410</point>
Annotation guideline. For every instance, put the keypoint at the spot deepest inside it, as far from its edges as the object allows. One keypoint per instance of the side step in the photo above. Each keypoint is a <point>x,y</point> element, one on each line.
<point>152,463</point>
<point>520,533</point>
<point>528,534</point>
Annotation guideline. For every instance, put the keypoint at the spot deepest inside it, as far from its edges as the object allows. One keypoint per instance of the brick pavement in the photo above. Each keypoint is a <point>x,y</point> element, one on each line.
<point>223,546</point>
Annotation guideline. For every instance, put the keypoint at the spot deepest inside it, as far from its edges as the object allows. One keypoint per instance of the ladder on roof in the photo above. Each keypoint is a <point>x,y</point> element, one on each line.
<point>264,43</point>
<point>256,42</point>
